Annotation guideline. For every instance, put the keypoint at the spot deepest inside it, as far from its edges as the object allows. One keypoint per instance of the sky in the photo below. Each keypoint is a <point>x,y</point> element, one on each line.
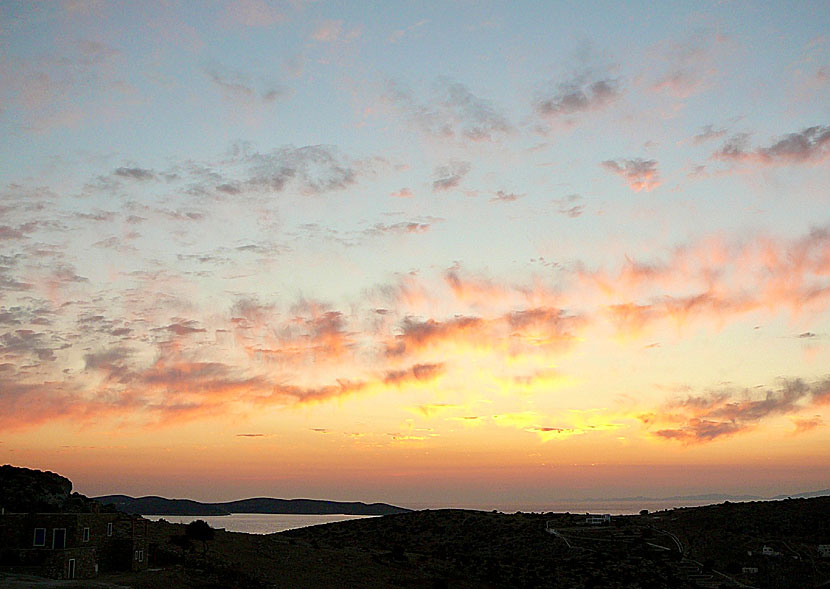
<point>427,253</point>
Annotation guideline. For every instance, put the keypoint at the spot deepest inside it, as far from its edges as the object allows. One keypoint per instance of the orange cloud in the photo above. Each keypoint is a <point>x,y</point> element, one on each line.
<point>704,418</point>
<point>416,373</point>
<point>716,280</point>
<point>806,424</point>
<point>418,335</point>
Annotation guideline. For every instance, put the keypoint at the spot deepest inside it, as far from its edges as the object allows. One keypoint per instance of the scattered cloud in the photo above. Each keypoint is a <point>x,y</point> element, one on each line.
<point>450,175</point>
<point>451,112</point>
<point>502,196</point>
<point>236,86</point>
<point>640,174</point>
<point>315,169</point>
<point>708,133</point>
<point>687,66</point>
<point>809,145</point>
<point>722,413</point>
<point>402,227</point>
<point>135,173</point>
<point>417,373</point>
<point>570,206</point>
<point>806,424</point>
<point>581,94</point>
<point>403,193</point>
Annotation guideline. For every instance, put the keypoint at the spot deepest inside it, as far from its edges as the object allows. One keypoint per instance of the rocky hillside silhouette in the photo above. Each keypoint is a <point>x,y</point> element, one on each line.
<point>160,506</point>
<point>24,490</point>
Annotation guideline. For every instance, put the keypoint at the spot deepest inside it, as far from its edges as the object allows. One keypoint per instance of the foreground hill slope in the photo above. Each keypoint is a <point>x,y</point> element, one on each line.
<point>760,544</point>
<point>682,548</point>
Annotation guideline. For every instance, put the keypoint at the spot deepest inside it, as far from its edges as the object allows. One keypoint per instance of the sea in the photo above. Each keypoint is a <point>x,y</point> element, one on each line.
<point>269,523</point>
<point>258,523</point>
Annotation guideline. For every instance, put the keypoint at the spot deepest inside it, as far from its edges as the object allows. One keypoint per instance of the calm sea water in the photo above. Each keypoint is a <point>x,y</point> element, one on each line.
<point>258,523</point>
<point>268,523</point>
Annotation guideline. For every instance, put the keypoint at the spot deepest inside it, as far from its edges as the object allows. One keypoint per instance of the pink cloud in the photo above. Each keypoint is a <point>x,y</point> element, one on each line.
<point>700,419</point>
<point>640,174</point>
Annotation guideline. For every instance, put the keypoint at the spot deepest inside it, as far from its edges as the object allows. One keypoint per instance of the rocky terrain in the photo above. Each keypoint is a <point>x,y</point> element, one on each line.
<point>26,490</point>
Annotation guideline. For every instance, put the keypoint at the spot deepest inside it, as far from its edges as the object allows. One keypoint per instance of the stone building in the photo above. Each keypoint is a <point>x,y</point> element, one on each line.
<point>72,545</point>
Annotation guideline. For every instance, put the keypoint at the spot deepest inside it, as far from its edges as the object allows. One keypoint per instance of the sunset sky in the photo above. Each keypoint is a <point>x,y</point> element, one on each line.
<point>451,253</point>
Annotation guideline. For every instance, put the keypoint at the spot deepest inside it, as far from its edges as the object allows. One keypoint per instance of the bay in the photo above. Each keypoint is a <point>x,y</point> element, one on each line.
<point>258,523</point>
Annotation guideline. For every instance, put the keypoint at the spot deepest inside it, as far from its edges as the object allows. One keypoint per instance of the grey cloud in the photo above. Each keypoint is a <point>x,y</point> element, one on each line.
<point>26,342</point>
<point>10,316</point>
<point>315,168</point>
<point>450,175</point>
<point>182,327</point>
<point>580,94</point>
<point>570,206</point>
<point>66,273</point>
<point>810,144</point>
<point>96,215</point>
<point>135,173</point>
<point>708,133</point>
<point>452,111</point>
<point>236,85</point>
<point>7,280</point>
<point>701,430</point>
<point>100,324</point>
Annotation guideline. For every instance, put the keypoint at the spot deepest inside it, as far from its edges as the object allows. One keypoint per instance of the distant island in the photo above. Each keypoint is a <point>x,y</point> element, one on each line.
<point>153,505</point>
<point>714,497</point>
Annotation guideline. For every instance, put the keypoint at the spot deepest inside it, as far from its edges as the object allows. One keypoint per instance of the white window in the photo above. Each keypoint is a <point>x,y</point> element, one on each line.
<point>109,528</point>
<point>86,534</point>
<point>40,537</point>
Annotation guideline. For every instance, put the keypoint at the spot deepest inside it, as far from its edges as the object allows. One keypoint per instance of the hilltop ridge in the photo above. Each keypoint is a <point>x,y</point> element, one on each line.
<point>154,505</point>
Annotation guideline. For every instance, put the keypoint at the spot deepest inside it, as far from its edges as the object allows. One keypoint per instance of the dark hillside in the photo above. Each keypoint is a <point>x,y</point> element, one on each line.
<point>24,490</point>
<point>160,506</point>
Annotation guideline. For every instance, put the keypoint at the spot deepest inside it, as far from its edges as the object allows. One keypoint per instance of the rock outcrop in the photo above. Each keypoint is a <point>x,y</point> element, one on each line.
<point>26,490</point>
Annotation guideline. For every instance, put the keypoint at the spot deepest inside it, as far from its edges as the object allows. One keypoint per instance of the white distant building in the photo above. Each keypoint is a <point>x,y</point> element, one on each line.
<point>824,550</point>
<point>749,570</point>
<point>768,551</point>
<point>598,520</point>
